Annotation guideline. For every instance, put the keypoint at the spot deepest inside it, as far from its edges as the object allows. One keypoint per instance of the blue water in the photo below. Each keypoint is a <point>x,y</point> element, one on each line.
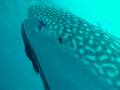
<point>16,71</point>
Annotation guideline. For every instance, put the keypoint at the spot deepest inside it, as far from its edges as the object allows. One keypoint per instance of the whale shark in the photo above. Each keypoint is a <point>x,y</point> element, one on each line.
<point>70,53</point>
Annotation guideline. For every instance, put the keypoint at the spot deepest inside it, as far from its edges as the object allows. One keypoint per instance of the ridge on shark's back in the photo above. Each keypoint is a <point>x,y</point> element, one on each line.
<point>97,50</point>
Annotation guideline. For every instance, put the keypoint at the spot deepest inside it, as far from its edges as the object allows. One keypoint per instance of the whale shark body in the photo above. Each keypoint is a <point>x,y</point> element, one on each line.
<point>70,53</point>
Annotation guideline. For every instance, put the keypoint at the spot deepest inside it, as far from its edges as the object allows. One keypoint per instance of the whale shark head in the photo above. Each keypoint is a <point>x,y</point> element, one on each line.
<point>98,51</point>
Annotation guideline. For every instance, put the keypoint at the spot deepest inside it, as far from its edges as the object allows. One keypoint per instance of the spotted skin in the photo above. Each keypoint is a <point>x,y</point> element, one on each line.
<point>96,49</point>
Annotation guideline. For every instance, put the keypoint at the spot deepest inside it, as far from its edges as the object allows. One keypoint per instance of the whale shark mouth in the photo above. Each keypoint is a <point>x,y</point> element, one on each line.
<point>32,56</point>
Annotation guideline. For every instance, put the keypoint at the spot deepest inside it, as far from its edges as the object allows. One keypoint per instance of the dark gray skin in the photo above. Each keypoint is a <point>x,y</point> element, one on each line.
<point>93,49</point>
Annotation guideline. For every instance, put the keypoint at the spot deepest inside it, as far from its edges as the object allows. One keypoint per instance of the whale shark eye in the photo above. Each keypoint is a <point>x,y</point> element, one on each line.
<point>60,39</point>
<point>41,25</point>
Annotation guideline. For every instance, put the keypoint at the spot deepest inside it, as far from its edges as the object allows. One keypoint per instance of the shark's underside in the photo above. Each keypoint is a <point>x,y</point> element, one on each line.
<point>97,50</point>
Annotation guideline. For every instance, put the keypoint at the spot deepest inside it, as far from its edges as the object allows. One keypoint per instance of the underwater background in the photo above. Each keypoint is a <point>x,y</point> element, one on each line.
<point>16,71</point>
